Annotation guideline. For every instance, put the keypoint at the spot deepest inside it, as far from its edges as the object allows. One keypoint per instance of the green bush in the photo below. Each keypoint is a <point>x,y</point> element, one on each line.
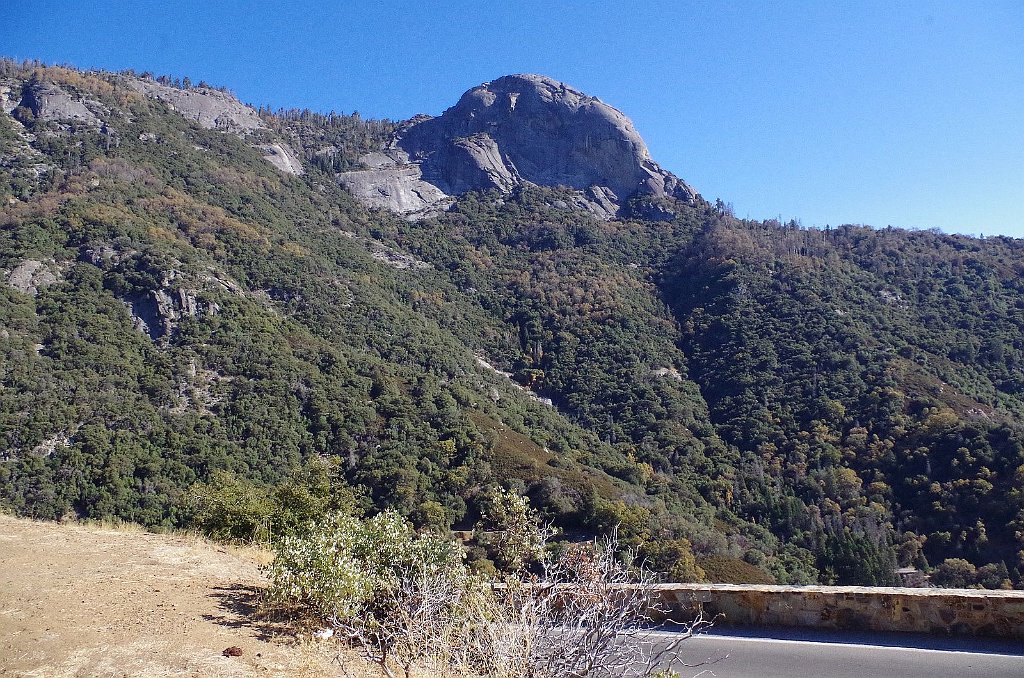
<point>233,509</point>
<point>510,531</point>
<point>955,573</point>
<point>408,601</point>
<point>342,568</point>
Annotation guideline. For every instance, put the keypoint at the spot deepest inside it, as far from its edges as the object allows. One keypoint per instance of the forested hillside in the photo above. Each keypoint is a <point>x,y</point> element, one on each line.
<point>194,300</point>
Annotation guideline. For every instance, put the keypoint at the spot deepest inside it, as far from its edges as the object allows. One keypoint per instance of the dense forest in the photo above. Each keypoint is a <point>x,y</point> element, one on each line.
<point>744,401</point>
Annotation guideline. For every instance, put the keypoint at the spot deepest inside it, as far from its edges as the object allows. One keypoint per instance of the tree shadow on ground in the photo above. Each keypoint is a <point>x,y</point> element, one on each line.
<point>242,609</point>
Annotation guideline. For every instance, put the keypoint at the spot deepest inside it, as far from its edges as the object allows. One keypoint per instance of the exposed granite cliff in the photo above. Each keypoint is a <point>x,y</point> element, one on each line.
<point>214,109</point>
<point>210,108</point>
<point>49,101</point>
<point>517,129</point>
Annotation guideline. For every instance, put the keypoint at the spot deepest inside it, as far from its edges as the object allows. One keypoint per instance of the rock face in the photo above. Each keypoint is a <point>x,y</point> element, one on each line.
<point>214,109</point>
<point>31,275</point>
<point>210,108</point>
<point>49,101</point>
<point>157,313</point>
<point>8,99</point>
<point>392,181</point>
<point>515,130</point>
<point>282,157</point>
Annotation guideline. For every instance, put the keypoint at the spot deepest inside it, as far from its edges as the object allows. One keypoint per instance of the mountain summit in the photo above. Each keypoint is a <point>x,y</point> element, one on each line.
<point>518,129</point>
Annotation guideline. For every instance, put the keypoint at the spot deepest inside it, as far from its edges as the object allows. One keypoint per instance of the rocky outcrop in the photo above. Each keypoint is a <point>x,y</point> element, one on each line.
<point>32,275</point>
<point>157,313</point>
<point>17,155</point>
<point>519,129</point>
<point>199,390</point>
<point>50,445</point>
<point>210,108</point>
<point>9,95</point>
<point>51,102</point>
<point>213,109</point>
<point>282,157</point>
<point>398,260</point>
<point>393,182</point>
<point>670,372</point>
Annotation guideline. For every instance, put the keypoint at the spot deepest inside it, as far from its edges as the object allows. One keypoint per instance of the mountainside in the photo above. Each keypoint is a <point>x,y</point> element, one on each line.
<point>196,288</point>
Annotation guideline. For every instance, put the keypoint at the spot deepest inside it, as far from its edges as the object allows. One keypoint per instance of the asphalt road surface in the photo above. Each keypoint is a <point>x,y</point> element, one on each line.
<point>798,654</point>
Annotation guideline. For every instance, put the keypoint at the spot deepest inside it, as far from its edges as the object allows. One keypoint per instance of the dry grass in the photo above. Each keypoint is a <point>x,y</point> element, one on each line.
<point>112,599</point>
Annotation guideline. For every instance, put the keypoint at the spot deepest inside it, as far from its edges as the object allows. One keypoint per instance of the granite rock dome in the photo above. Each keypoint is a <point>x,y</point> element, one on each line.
<point>514,130</point>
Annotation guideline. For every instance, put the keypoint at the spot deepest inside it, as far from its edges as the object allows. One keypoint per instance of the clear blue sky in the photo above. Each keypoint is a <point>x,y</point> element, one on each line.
<point>901,113</point>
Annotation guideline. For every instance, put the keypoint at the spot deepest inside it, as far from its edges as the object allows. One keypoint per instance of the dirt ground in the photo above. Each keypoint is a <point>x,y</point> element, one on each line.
<point>80,600</point>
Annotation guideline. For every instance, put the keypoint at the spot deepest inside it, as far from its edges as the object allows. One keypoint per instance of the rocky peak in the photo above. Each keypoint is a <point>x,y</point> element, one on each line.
<point>517,129</point>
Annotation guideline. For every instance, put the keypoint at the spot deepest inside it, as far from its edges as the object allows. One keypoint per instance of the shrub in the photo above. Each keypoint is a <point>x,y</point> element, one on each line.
<point>232,509</point>
<point>341,566</point>
<point>954,573</point>
<point>397,594</point>
<point>674,558</point>
<point>510,531</point>
<point>588,614</point>
<point>408,601</point>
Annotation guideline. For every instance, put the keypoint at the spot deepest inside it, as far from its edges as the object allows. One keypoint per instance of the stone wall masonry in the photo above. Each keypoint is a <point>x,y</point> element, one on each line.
<point>861,608</point>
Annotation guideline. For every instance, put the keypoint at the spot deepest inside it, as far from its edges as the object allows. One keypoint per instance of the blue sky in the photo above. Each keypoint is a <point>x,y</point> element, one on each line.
<point>901,113</point>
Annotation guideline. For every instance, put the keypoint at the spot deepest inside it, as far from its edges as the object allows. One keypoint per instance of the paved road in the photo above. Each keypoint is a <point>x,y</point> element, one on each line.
<point>750,654</point>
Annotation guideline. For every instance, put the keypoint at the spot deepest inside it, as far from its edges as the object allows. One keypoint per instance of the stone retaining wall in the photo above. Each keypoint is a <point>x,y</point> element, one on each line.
<point>862,608</point>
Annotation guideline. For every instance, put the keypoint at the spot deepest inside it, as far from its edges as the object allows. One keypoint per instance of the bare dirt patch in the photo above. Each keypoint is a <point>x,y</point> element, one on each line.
<point>88,601</point>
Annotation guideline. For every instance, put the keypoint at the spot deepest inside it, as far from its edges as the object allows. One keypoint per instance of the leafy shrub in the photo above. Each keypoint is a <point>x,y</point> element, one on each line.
<point>954,573</point>
<point>674,558</point>
<point>408,601</point>
<point>509,530</point>
<point>341,566</point>
<point>402,597</point>
<point>231,509</point>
